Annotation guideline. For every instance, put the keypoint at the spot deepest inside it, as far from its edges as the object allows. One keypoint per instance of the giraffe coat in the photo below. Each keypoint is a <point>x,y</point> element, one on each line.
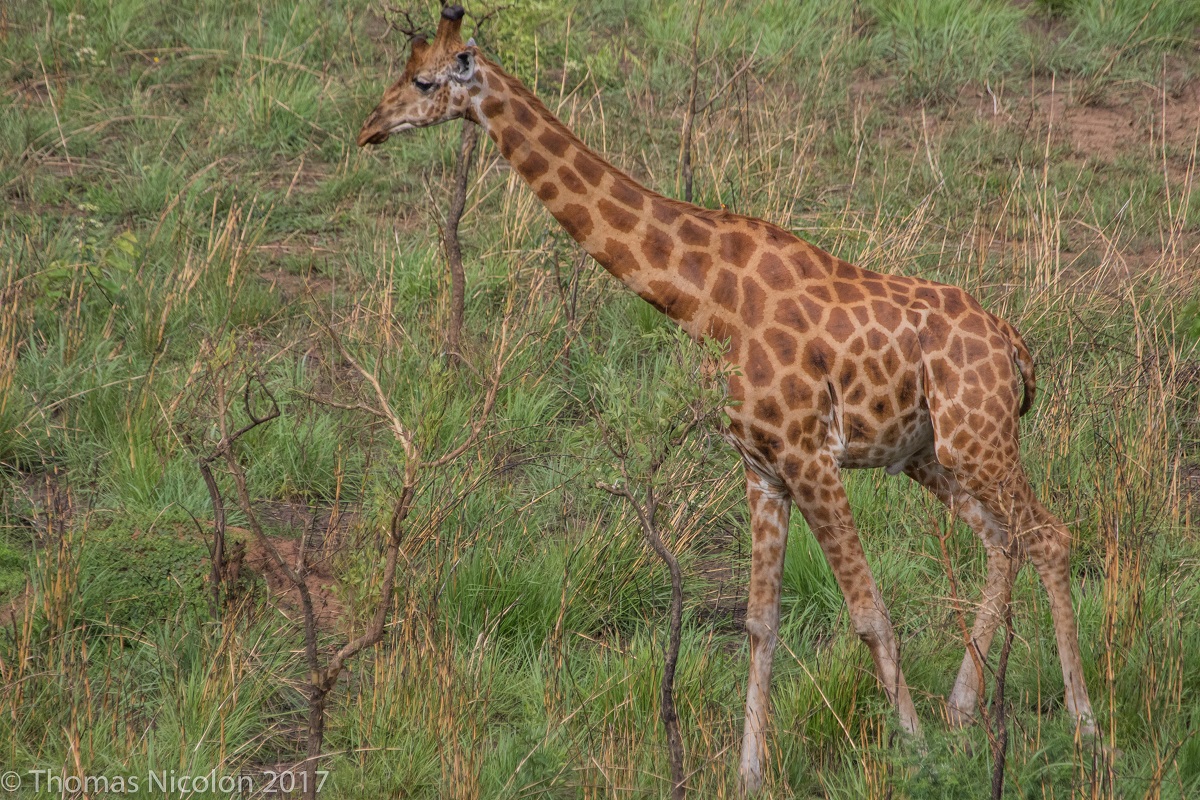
<point>834,367</point>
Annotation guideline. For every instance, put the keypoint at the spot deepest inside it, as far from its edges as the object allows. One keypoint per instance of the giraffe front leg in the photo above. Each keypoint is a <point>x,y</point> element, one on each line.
<point>822,499</point>
<point>769,510</point>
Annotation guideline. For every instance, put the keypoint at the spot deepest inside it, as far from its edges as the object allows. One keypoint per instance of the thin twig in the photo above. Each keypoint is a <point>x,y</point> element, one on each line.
<point>1000,739</point>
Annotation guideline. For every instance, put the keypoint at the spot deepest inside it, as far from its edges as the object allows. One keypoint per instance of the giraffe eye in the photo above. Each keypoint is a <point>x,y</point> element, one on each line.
<point>422,86</point>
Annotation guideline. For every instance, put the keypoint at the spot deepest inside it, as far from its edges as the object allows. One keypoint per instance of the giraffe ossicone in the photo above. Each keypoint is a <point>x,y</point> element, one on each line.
<point>838,368</point>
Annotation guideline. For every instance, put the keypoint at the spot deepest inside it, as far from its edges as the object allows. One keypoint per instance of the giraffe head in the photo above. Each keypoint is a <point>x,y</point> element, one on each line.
<point>434,86</point>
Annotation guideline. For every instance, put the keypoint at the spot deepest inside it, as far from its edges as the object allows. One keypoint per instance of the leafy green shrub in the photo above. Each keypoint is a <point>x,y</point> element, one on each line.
<point>12,572</point>
<point>133,578</point>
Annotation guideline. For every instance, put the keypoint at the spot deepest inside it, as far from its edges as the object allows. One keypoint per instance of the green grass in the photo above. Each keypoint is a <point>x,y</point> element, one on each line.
<point>182,202</point>
<point>936,44</point>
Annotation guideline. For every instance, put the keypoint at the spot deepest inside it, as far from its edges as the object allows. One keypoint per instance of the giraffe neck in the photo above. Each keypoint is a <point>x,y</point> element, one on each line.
<point>661,248</point>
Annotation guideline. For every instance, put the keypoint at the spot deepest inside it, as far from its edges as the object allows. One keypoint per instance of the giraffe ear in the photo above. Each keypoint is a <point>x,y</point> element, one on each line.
<point>464,66</point>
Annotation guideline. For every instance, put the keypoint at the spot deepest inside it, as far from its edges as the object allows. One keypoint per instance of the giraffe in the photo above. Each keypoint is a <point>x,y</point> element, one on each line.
<point>834,367</point>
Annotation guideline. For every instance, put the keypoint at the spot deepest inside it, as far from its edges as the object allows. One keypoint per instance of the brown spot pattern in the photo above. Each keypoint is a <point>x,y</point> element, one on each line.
<point>576,219</point>
<point>555,142</point>
<point>758,365</point>
<point>618,258</point>
<point>725,292</point>
<point>589,168</point>
<point>624,193</point>
<point>570,180</point>
<point>695,266</point>
<point>754,299</point>
<point>616,216</point>
<point>693,234</point>
<point>657,247</point>
<point>736,247</point>
<point>523,114</point>
<point>534,167</point>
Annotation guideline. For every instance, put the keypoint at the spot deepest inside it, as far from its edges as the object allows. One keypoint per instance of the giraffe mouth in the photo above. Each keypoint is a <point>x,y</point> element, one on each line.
<point>370,134</point>
<point>372,137</point>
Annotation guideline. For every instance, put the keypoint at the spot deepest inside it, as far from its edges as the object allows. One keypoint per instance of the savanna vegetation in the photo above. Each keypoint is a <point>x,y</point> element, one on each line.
<point>192,245</point>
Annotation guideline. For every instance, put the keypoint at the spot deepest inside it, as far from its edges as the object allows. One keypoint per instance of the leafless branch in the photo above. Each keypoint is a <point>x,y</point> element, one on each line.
<point>645,516</point>
<point>403,20</point>
<point>217,551</point>
<point>943,534</point>
<point>689,117</point>
<point>324,679</point>
<point>999,740</point>
<point>695,107</point>
<point>384,409</point>
<point>645,509</point>
<point>454,262</point>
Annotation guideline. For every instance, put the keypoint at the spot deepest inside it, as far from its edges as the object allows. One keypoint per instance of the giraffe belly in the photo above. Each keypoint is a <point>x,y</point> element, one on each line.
<point>861,440</point>
<point>913,434</point>
<point>852,435</point>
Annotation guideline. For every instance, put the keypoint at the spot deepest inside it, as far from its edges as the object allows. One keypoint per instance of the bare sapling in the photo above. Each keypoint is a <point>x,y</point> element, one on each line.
<point>1000,736</point>
<point>404,21</point>
<point>655,463</point>
<point>418,467</point>
<point>216,550</point>
<point>697,106</point>
<point>259,406</point>
<point>689,114</point>
<point>211,404</point>
<point>645,508</point>
<point>994,721</point>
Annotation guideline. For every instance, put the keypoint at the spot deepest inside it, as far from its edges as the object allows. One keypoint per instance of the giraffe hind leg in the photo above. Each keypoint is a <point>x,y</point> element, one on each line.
<point>978,444</point>
<point>1002,568</point>
<point>1045,540</point>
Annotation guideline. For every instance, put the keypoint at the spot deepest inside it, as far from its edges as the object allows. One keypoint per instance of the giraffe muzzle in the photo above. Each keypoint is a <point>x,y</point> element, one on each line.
<point>372,132</point>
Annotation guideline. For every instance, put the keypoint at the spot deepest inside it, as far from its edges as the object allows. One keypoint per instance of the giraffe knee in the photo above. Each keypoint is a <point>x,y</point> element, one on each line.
<point>1047,542</point>
<point>762,627</point>
<point>872,626</point>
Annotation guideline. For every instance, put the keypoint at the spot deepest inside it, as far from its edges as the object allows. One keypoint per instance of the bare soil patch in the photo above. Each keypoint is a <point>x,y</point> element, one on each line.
<point>292,286</point>
<point>1142,116</point>
<point>30,91</point>
<point>317,529</point>
<point>327,608</point>
<point>1139,116</point>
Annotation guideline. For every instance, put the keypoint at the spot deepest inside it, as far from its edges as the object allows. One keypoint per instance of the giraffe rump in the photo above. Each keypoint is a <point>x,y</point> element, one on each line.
<point>1024,362</point>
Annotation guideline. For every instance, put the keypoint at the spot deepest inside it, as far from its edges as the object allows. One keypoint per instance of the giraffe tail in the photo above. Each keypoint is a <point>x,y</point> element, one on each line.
<point>1024,363</point>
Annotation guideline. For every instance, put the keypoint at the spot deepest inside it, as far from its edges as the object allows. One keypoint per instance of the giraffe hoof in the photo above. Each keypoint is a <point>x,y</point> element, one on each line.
<point>749,783</point>
<point>960,707</point>
<point>959,717</point>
